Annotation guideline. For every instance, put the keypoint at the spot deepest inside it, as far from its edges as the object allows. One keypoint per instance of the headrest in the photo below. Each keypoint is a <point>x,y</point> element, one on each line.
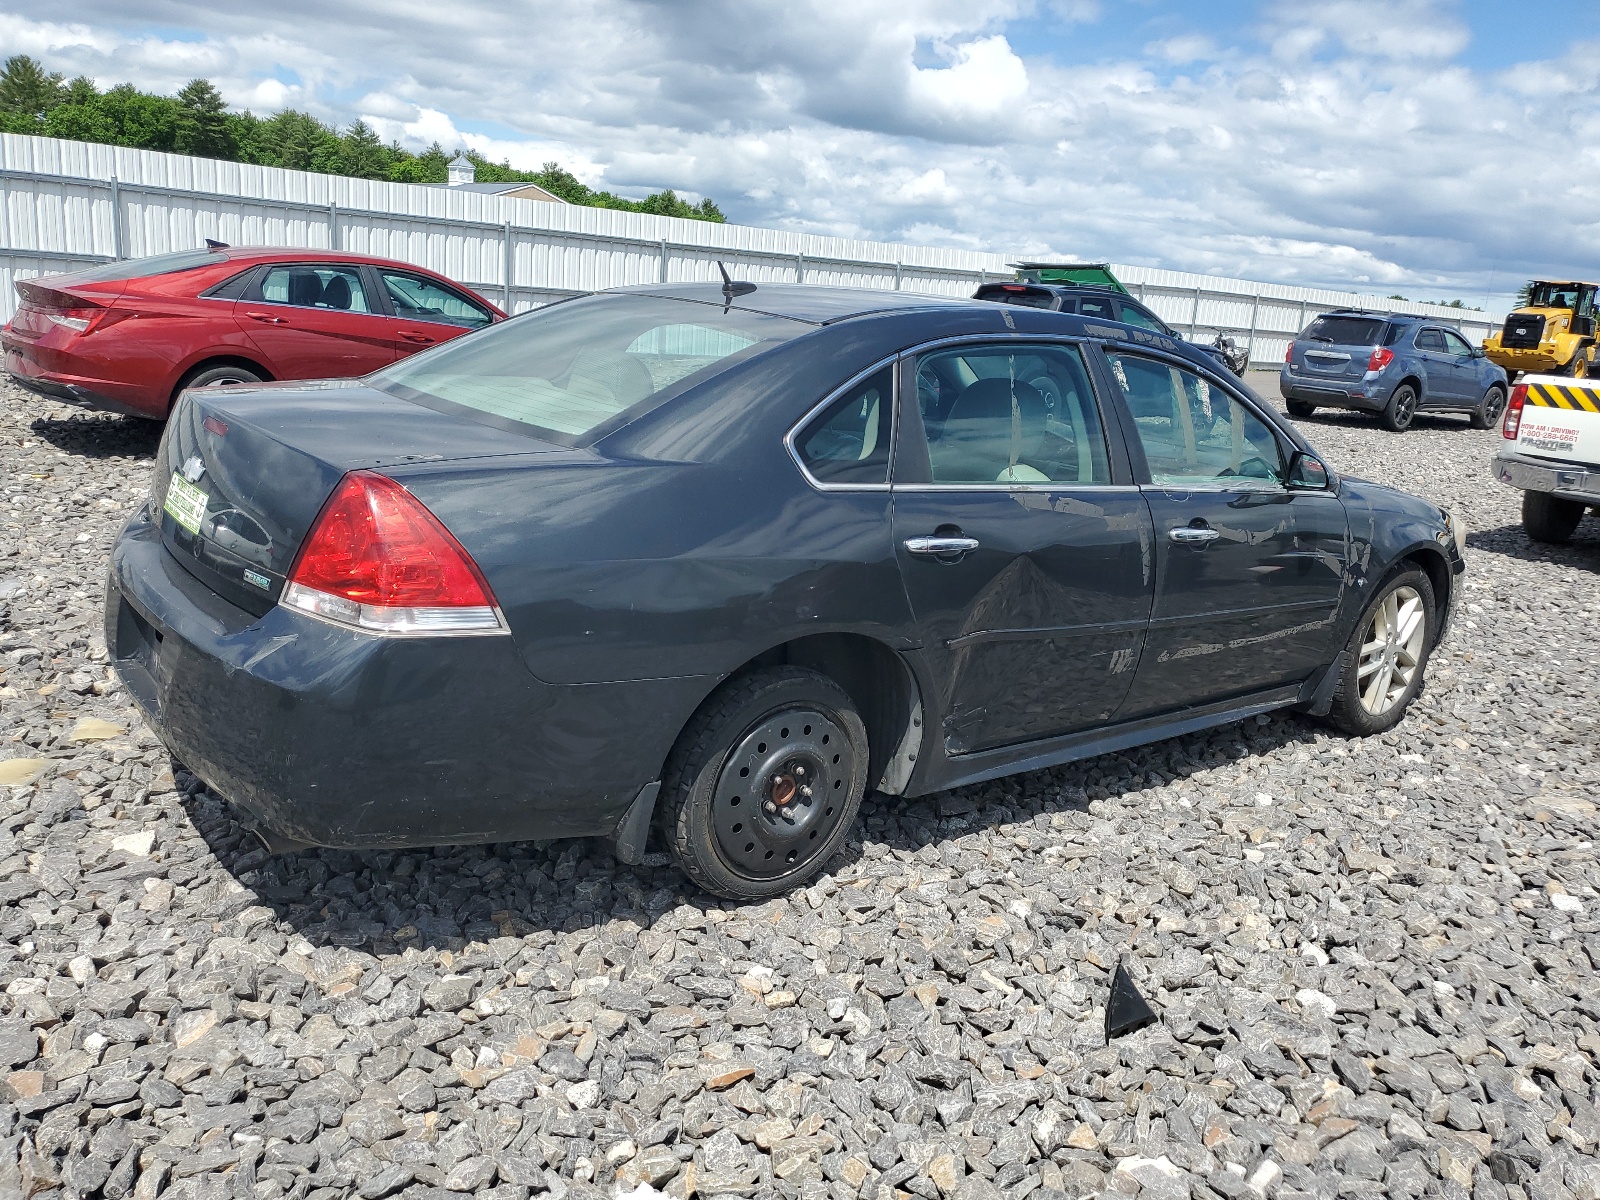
<point>305,288</point>
<point>336,292</point>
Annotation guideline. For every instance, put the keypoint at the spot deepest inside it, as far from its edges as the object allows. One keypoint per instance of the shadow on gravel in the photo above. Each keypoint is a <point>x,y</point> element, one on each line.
<point>1350,418</point>
<point>388,901</point>
<point>1510,540</point>
<point>95,435</point>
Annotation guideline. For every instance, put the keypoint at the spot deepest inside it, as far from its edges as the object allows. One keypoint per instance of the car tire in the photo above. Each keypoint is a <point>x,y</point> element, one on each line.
<point>1490,408</point>
<point>1401,410</point>
<point>1547,518</point>
<point>734,807</point>
<point>1300,410</point>
<point>224,375</point>
<point>1386,656</point>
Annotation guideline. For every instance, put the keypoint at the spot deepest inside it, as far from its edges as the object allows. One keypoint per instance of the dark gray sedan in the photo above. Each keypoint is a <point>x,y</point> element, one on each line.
<point>1393,366</point>
<point>720,560</point>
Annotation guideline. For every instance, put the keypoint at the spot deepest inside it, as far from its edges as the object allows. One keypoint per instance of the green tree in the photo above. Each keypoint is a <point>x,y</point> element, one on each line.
<point>431,166</point>
<point>1525,294</point>
<point>26,89</point>
<point>361,154</point>
<point>140,119</point>
<point>81,116</point>
<point>202,122</point>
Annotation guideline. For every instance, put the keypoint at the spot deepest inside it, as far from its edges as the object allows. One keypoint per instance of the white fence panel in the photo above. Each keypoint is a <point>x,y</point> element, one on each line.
<point>65,205</point>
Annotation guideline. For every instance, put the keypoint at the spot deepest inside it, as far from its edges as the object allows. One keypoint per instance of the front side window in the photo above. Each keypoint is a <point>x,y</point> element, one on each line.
<point>1132,316</point>
<point>307,286</point>
<point>576,370</point>
<point>849,442</point>
<point>1010,415</point>
<point>1195,434</point>
<point>419,299</point>
<point>1455,344</point>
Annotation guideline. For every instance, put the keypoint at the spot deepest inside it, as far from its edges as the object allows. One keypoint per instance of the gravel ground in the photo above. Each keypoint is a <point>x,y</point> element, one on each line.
<point>1373,960</point>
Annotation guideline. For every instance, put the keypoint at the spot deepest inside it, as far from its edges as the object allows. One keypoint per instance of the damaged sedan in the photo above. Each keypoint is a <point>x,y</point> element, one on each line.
<point>715,561</point>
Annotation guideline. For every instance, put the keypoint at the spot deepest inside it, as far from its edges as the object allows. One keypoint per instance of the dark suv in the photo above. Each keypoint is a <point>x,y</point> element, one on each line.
<point>1390,364</point>
<point>1088,300</point>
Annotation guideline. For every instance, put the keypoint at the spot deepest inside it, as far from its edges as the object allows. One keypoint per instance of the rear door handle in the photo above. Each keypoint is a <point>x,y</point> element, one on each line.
<point>421,339</point>
<point>1188,535</point>
<point>941,545</point>
<point>267,318</point>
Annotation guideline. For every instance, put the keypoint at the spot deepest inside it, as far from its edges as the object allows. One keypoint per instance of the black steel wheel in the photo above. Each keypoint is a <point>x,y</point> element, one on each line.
<point>764,783</point>
<point>1493,404</point>
<point>1402,407</point>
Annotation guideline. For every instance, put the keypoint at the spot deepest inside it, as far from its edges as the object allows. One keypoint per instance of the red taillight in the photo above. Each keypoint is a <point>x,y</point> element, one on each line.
<point>1288,355</point>
<point>377,559</point>
<point>215,425</point>
<point>1513,419</point>
<point>1380,358</point>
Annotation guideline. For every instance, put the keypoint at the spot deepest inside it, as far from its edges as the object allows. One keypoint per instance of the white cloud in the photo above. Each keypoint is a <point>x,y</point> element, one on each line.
<point>1329,143</point>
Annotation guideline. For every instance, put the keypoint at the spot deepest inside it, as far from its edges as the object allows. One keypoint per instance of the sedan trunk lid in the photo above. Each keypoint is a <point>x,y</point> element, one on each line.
<point>241,474</point>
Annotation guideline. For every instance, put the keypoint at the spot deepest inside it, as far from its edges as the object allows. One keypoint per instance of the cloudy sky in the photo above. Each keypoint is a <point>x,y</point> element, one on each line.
<point>1429,147</point>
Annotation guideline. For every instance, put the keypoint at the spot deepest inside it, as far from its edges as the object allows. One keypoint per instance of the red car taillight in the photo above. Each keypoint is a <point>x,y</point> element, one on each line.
<point>1513,419</point>
<point>1380,358</point>
<point>377,559</point>
<point>1288,355</point>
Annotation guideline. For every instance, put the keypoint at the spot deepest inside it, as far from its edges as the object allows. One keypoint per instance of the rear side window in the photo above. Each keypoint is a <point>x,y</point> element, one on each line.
<point>158,264</point>
<point>1393,333</point>
<point>1430,339</point>
<point>849,443</point>
<point>574,371</point>
<point>309,286</point>
<point>1028,297</point>
<point>1345,331</point>
<point>1010,415</point>
<point>1097,306</point>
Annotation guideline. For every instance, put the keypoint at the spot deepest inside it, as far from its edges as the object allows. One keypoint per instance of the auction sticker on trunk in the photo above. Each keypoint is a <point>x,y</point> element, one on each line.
<point>186,503</point>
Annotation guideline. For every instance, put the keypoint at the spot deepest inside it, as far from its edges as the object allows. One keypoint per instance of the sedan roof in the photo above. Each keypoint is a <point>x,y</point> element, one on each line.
<point>804,302</point>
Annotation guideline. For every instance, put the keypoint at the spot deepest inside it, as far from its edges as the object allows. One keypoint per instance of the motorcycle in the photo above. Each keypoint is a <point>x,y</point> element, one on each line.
<point>1236,357</point>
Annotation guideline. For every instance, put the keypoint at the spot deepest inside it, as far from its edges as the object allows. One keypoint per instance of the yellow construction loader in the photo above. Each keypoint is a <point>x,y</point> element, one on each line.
<point>1553,334</point>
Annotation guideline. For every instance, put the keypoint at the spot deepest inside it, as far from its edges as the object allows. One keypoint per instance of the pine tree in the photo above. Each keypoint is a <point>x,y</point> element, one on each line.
<point>25,88</point>
<point>202,121</point>
<point>362,155</point>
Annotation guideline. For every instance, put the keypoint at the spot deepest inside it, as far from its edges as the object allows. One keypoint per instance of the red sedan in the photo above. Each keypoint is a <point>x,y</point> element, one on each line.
<point>129,336</point>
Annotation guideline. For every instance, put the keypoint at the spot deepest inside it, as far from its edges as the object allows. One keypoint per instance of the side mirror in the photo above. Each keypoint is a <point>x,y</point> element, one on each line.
<point>1479,352</point>
<point>1307,472</point>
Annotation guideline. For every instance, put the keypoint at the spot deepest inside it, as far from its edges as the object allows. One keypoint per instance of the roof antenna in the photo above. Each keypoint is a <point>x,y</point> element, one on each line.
<point>730,289</point>
<point>213,244</point>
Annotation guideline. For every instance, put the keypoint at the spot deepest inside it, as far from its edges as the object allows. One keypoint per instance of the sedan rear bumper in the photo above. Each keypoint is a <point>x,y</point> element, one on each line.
<point>100,395</point>
<point>330,737</point>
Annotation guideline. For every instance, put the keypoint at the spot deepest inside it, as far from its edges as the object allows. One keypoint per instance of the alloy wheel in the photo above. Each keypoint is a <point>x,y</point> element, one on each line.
<point>1405,407</point>
<point>782,792</point>
<point>1391,650</point>
<point>1493,407</point>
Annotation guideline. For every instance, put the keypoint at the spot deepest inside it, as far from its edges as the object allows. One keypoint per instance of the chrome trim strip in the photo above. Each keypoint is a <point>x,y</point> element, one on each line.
<point>1018,635</point>
<point>1016,487</point>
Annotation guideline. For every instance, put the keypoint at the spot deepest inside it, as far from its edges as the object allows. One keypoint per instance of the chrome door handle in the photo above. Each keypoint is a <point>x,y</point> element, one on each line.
<point>1188,535</point>
<point>941,545</point>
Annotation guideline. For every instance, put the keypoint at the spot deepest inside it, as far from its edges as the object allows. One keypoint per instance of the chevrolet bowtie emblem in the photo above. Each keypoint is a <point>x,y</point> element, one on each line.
<point>193,468</point>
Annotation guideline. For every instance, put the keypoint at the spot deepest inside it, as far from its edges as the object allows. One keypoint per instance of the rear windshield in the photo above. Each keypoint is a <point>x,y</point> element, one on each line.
<point>159,264</point>
<point>1345,331</point>
<point>575,371</point>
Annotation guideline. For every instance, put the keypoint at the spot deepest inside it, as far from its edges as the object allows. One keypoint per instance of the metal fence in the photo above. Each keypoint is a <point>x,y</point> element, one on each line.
<point>65,205</point>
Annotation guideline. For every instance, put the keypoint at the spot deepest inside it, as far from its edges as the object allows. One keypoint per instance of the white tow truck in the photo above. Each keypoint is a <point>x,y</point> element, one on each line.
<point>1552,452</point>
